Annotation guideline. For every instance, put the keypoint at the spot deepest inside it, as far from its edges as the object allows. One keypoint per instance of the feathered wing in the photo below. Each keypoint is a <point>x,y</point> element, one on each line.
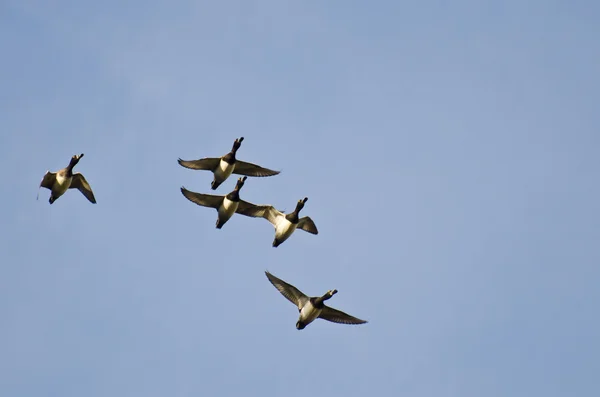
<point>262,211</point>
<point>243,206</point>
<point>204,200</point>
<point>209,163</point>
<point>249,169</point>
<point>47,182</point>
<point>307,224</point>
<point>337,316</point>
<point>290,292</point>
<point>83,186</point>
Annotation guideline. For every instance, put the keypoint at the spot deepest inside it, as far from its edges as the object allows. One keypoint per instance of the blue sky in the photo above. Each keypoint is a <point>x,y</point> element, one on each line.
<point>449,153</point>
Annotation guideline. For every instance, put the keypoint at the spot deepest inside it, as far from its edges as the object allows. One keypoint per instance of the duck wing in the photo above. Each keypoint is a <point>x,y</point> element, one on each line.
<point>244,206</point>
<point>78,182</point>
<point>262,211</point>
<point>290,292</point>
<point>306,223</point>
<point>209,163</point>
<point>337,316</point>
<point>249,169</point>
<point>204,200</point>
<point>47,182</point>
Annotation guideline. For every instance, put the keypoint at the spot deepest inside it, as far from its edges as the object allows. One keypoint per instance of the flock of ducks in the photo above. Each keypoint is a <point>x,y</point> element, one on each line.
<point>309,307</point>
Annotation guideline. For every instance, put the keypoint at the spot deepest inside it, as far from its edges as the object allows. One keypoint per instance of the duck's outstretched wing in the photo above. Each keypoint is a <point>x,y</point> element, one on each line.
<point>249,169</point>
<point>244,206</point>
<point>290,292</point>
<point>209,163</point>
<point>307,224</point>
<point>47,182</point>
<point>262,211</point>
<point>205,200</point>
<point>83,186</point>
<point>337,316</point>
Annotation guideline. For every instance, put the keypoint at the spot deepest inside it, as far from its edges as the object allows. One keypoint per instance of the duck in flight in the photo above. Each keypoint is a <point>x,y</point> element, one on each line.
<point>226,206</point>
<point>312,307</point>
<point>226,165</point>
<point>285,224</point>
<point>59,182</point>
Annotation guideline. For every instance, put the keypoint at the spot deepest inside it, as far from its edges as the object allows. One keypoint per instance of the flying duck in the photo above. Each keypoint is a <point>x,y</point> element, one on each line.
<point>59,182</point>
<point>311,308</point>
<point>224,166</point>
<point>285,224</point>
<point>226,206</point>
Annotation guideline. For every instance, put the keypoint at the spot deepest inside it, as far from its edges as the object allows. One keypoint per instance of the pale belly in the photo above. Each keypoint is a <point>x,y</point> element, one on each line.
<point>284,229</point>
<point>61,185</point>
<point>224,170</point>
<point>309,313</point>
<point>227,209</point>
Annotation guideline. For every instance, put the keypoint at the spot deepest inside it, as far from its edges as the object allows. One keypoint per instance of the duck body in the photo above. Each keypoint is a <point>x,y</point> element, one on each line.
<point>226,211</point>
<point>222,172</point>
<point>308,314</point>
<point>230,204</point>
<point>61,184</point>
<point>283,230</point>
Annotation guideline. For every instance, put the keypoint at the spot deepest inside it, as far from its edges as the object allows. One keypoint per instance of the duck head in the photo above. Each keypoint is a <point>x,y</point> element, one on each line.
<point>300,204</point>
<point>236,144</point>
<point>240,183</point>
<point>75,159</point>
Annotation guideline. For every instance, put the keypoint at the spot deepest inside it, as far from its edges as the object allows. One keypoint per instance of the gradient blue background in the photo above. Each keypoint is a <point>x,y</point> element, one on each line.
<point>449,151</point>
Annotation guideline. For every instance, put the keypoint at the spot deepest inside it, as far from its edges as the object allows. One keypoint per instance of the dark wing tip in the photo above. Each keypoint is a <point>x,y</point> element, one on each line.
<point>186,193</point>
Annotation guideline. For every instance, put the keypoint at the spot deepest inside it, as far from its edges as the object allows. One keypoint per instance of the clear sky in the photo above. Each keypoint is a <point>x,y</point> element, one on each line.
<point>449,151</point>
